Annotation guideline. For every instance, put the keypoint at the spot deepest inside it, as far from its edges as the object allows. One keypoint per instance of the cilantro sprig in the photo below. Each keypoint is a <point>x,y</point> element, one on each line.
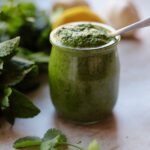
<point>13,103</point>
<point>53,139</point>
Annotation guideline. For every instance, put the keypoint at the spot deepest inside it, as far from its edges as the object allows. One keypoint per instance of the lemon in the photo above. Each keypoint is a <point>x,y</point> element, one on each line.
<point>80,13</point>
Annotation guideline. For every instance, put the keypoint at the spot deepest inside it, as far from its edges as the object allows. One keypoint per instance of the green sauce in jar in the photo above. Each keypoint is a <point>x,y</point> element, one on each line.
<point>83,72</point>
<point>82,35</point>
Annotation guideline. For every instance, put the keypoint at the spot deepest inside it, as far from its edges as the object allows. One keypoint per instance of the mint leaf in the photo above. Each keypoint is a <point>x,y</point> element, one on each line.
<point>94,146</point>
<point>15,71</point>
<point>21,106</point>
<point>53,140</point>
<point>15,104</point>
<point>5,99</point>
<point>38,57</point>
<point>5,111</point>
<point>5,93</point>
<point>8,48</point>
<point>28,141</point>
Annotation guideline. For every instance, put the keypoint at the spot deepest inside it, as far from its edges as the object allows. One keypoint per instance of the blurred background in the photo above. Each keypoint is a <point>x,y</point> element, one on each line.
<point>100,5</point>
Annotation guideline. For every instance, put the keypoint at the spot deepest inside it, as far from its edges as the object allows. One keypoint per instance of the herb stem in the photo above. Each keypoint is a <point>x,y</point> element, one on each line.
<point>80,148</point>
<point>75,146</point>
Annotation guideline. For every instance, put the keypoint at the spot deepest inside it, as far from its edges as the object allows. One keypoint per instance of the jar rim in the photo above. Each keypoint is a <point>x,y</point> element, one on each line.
<point>107,45</point>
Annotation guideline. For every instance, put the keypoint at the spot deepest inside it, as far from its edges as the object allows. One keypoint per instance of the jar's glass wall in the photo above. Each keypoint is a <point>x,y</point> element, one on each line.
<point>84,85</point>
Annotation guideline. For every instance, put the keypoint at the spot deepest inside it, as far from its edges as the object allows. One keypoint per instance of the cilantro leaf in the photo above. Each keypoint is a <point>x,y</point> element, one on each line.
<point>52,133</point>
<point>50,144</point>
<point>15,71</point>
<point>8,48</point>
<point>28,141</point>
<point>53,140</point>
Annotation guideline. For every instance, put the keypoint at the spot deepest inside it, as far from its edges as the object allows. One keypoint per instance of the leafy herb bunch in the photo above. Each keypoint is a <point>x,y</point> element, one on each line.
<point>24,19</point>
<point>53,139</point>
<point>12,71</point>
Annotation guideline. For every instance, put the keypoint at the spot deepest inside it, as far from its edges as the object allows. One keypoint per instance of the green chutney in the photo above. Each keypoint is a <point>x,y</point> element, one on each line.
<point>82,35</point>
<point>83,71</point>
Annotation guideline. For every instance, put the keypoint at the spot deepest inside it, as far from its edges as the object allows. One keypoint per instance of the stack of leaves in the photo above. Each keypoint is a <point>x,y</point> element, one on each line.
<point>53,140</point>
<point>12,71</point>
<point>24,19</point>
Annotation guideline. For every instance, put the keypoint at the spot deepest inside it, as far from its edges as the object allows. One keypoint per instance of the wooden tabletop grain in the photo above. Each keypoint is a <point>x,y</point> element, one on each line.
<point>129,126</point>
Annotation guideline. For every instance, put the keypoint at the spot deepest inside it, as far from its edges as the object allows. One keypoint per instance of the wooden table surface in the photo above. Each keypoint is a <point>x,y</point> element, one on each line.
<point>129,126</point>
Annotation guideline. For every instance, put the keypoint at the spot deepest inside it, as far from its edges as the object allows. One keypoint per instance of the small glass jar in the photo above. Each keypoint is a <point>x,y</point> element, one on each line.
<point>84,81</point>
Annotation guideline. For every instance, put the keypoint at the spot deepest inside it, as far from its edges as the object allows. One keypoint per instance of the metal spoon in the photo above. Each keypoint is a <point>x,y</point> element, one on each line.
<point>136,25</point>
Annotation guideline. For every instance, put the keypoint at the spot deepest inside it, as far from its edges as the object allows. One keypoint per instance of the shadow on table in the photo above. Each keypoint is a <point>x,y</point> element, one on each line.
<point>7,135</point>
<point>6,131</point>
<point>105,132</point>
<point>107,125</point>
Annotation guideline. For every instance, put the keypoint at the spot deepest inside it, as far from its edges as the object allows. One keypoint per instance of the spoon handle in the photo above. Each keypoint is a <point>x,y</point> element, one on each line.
<point>137,25</point>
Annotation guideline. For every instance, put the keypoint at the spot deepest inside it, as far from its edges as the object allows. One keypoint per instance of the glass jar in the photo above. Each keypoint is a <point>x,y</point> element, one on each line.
<point>84,81</point>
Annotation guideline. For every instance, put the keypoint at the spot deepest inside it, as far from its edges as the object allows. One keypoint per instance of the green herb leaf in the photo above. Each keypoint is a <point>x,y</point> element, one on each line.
<point>15,104</point>
<point>50,144</point>
<point>21,106</point>
<point>38,57</point>
<point>53,140</point>
<point>15,70</point>
<point>5,93</point>
<point>8,48</point>
<point>52,133</point>
<point>28,141</point>
<point>1,65</point>
<point>27,21</point>
<point>94,146</point>
<point>5,99</point>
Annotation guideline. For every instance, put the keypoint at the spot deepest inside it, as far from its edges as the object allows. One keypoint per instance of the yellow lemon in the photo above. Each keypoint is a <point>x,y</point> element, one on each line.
<point>80,13</point>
